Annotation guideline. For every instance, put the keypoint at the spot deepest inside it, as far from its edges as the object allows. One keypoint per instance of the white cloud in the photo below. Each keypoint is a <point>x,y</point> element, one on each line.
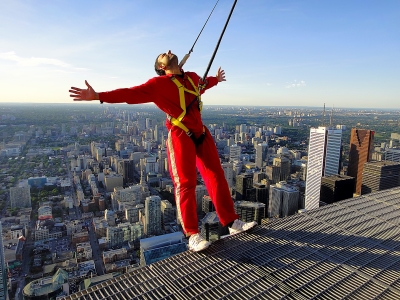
<point>295,84</point>
<point>37,61</point>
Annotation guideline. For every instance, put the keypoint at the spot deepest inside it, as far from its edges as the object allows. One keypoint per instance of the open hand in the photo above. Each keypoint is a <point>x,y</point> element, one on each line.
<point>220,75</point>
<point>83,94</point>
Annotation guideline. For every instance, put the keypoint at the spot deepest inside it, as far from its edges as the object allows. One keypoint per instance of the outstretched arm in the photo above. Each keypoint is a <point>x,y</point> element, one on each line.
<point>83,94</point>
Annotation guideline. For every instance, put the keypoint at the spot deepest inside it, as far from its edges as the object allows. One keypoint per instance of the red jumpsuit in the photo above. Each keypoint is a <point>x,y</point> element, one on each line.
<point>183,155</point>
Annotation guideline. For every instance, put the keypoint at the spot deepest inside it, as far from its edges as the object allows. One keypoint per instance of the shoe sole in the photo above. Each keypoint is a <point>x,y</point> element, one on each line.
<point>205,247</point>
<point>254,225</point>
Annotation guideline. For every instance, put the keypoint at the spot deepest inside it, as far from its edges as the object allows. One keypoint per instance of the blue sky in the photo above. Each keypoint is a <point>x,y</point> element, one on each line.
<point>275,53</point>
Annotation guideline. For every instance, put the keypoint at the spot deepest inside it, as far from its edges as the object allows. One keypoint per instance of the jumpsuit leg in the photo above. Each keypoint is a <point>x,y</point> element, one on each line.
<point>182,166</point>
<point>211,170</point>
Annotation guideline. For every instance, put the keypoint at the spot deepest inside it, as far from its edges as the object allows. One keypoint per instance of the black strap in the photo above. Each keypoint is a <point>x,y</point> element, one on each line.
<point>198,141</point>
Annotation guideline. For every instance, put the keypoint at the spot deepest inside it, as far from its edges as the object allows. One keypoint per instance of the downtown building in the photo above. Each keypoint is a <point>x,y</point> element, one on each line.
<point>273,174</point>
<point>361,148</point>
<point>152,211</point>
<point>336,187</point>
<point>283,163</point>
<point>250,211</point>
<point>323,160</point>
<point>244,183</point>
<point>20,197</point>
<point>3,270</point>
<point>261,155</point>
<point>207,205</point>
<point>228,172</point>
<point>211,227</point>
<point>380,175</point>
<point>283,200</point>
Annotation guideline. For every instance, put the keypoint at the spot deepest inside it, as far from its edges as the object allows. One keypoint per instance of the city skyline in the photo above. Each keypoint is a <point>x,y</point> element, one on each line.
<point>101,171</point>
<point>292,54</point>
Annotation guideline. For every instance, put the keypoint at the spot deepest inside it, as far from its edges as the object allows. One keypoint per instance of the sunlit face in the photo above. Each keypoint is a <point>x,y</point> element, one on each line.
<point>167,59</point>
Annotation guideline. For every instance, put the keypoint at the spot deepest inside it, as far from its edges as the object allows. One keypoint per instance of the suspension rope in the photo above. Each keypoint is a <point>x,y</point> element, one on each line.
<point>185,58</point>
<point>219,41</point>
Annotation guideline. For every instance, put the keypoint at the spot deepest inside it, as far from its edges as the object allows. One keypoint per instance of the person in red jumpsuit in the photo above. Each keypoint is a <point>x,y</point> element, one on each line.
<point>185,152</point>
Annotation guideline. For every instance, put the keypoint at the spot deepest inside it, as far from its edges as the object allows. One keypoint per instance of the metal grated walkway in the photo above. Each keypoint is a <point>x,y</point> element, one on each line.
<point>350,249</point>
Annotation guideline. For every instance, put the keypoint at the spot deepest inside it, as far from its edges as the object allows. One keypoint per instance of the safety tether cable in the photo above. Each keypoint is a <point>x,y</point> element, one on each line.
<point>185,58</point>
<point>219,41</point>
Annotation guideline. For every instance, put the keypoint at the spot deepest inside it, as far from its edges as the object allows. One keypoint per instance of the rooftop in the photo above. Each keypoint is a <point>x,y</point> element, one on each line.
<point>349,249</point>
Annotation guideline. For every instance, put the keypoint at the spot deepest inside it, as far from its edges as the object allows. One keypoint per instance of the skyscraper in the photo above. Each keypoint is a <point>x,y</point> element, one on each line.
<point>323,160</point>
<point>361,148</point>
<point>380,175</point>
<point>261,155</point>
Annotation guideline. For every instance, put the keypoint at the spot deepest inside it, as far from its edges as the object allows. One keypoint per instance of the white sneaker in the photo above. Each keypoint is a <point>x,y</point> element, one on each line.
<point>197,243</point>
<point>239,226</point>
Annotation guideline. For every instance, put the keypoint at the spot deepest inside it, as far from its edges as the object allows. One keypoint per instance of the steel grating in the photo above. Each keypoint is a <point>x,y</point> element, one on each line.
<point>346,250</point>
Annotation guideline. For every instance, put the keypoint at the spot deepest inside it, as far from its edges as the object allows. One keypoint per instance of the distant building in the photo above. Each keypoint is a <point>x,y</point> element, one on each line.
<point>336,187</point>
<point>168,212</point>
<point>234,152</point>
<point>261,155</point>
<point>283,200</point>
<point>284,167</point>
<point>20,197</point>
<point>243,183</point>
<point>361,148</point>
<point>392,154</point>
<point>126,168</point>
<point>201,191</point>
<point>323,159</point>
<point>113,181</point>
<point>258,176</point>
<point>48,287</point>
<point>250,211</point>
<point>160,247</point>
<point>262,193</point>
<point>124,233</point>
<point>132,212</point>
<point>37,182</point>
<point>273,174</point>
<point>152,213</point>
<point>207,205</point>
<point>3,270</point>
<point>379,176</point>
<point>45,212</point>
<point>211,228</point>
<point>229,173</point>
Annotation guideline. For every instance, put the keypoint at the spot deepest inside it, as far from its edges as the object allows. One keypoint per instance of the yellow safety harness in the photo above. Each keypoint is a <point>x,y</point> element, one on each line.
<point>178,121</point>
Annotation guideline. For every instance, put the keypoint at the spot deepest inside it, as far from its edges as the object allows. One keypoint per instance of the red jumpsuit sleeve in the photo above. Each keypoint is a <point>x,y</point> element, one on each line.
<point>143,93</point>
<point>211,81</point>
